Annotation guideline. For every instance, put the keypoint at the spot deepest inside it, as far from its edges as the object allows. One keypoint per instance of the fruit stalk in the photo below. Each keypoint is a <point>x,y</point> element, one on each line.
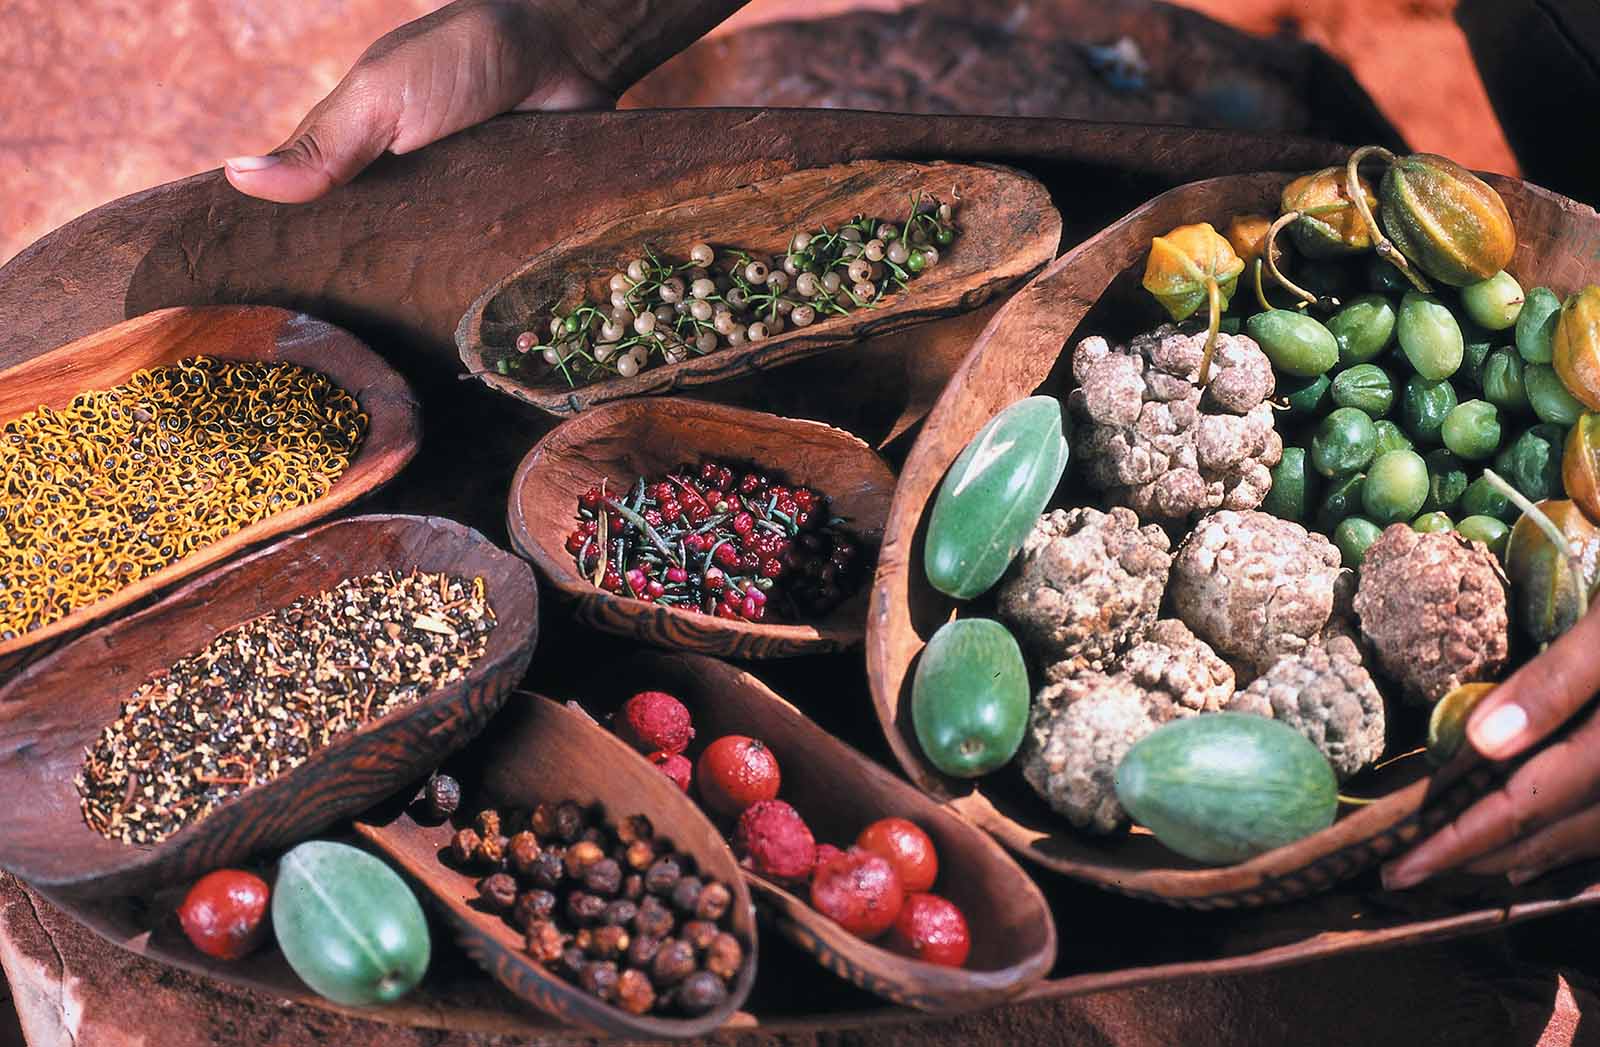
<point>1380,243</point>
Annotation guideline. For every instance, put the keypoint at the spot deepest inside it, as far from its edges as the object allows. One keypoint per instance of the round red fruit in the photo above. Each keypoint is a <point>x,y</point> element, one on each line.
<point>655,721</point>
<point>735,772</point>
<point>225,913</point>
<point>859,891</point>
<point>675,766</point>
<point>932,929</point>
<point>773,840</point>
<point>826,852</point>
<point>906,847</point>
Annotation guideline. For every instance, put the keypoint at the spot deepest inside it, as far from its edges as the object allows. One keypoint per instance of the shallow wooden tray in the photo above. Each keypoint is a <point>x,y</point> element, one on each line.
<point>52,711</point>
<point>1007,231</point>
<point>543,752</point>
<point>840,792</point>
<point>108,357</point>
<point>625,440</point>
<point>1023,350</point>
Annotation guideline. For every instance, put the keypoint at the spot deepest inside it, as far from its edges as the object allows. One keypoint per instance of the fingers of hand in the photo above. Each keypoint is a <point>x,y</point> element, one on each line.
<point>1563,842</point>
<point>1541,696</point>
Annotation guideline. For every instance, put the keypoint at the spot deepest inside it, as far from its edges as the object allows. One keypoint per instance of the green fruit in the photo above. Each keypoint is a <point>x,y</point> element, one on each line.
<point>1230,325</point>
<point>1475,352</point>
<point>1485,529</point>
<point>1431,523</point>
<point>969,698</point>
<point>1352,538</point>
<point>348,925</point>
<point>1536,325</point>
<point>1447,481</point>
<point>1532,462</point>
<point>1306,397</point>
<point>1494,303</point>
<point>1294,487</point>
<point>1447,725</point>
<point>1472,430</point>
<point>1449,222</point>
<point>1363,328</point>
<point>1343,443</point>
<point>1295,343</point>
<point>1545,596</point>
<point>993,495</point>
<point>1500,378</point>
<point>1384,277</point>
<point>1225,787</point>
<point>1366,387</point>
<point>1342,499</point>
<point>1548,395</point>
<point>1424,405</point>
<point>1397,485</point>
<point>1429,336</point>
<point>1390,438</point>
<point>1481,499</point>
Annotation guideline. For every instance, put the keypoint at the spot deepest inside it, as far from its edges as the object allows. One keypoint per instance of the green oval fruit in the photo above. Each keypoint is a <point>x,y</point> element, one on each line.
<point>1532,462</point>
<point>1481,499</point>
<point>1474,354</point>
<point>348,925</point>
<point>1494,303</point>
<point>1397,485</point>
<point>1424,405</point>
<point>1429,336</point>
<point>1544,590</point>
<point>1382,276</point>
<point>1294,487</point>
<point>1364,328</point>
<point>1472,430</point>
<point>1447,481</point>
<point>1225,787</point>
<point>1343,443</point>
<point>1431,523</point>
<point>1390,438</point>
<point>993,495</point>
<point>1576,346</point>
<point>1306,397</point>
<point>1295,343</point>
<point>1343,499</point>
<point>1447,726</point>
<point>1500,378</point>
<point>1353,537</point>
<point>1446,219</point>
<point>1366,387</point>
<point>1549,397</point>
<point>1486,529</point>
<point>1536,325</point>
<point>969,698</point>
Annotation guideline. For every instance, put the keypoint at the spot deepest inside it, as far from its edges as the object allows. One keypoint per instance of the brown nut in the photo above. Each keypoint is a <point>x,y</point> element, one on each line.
<point>673,962</point>
<point>488,823</point>
<point>713,903</point>
<point>604,877</point>
<point>686,895</point>
<point>544,942</point>
<point>642,950</point>
<point>547,871</point>
<point>491,851</point>
<point>573,961</point>
<point>633,887</point>
<point>600,979</point>
<point>607,943</point>
<point>663,875</point>
<point>635,828</point>
<point>584,909</point>
<point>619,913</point>
<point>464,846</point>
<point>497,892</point>
<point>698,933</point>
<point>543,821</point>
<point>522,852</point>
<point>635,994</point>
<point>724,956</point>
<point>580,856</point>
<point>568,821</point>
<point>655,920</point>
<point>532,906</point>
<point>639,855</point>
<point>700,993</point>
<point>442,797</point>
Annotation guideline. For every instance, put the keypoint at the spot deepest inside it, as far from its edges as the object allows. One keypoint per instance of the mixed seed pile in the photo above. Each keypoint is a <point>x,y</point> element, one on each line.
<point>265,695</point>
<point>124,481</point>
<point>661,311</point>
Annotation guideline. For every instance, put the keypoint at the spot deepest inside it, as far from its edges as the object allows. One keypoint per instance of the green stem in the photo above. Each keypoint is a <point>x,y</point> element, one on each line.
<point>1557,539</point>
<point>1380,243</point>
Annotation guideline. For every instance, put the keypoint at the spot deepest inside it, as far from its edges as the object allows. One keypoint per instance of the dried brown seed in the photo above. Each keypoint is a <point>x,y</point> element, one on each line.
<point>635,994</point>
<point>488,822</point>
<point>568,821</point>
<point>633,887</point>
<point>442,796</point>
<point>713,903</point>
<point>662,876</point>
<point>698,933</point>
<point>522,852</point>
<point>544,942</point>
<point>584,909</point>
<point>639,855</point>
<point>724,956</point>
<point>600,979</point>
<point>498,892</point>
<point>700,993</point>
<point>635,828</point>
<point>607,943</point>
<point>543,821</point>
<point>642,950</point>
<point>673,962</point>
<point>580,856</point>
<point>655,920</point>
<point>619,913</point>
<point>491,851</point>
<point>532,906</point>
<point>547,871</point>
<point>686,895</point>
<point>603,877</point>
<point>464,846</point>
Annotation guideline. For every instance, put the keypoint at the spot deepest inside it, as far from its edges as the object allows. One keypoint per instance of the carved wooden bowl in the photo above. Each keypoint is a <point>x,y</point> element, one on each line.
<point>56,707</point>
<point>108,357</point>
<point>542,752</point>
<point>840,792</point>
<point>626,440</point>
<point>1007,231</point>
<point>1023,350</point>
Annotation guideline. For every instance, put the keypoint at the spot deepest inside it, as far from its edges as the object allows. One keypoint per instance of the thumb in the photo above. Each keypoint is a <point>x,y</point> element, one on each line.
<point>1540,696</point>
<point>348,130</point>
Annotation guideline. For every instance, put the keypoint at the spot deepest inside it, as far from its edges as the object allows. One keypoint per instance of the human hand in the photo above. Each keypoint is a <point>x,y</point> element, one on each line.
<point>1547,813</point>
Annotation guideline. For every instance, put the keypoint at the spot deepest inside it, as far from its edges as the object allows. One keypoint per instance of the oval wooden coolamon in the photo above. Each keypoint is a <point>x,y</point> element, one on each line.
<point>1007,231</point>
<point>840,792</point>
<point>542,752</point>
<point>108,357</point>
<point>1023,348</point>
<point>56,707</point>
<point>623,441</point>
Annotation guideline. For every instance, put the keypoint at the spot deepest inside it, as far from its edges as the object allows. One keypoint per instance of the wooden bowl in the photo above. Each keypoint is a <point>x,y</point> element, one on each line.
<point>108,357</point>
<point>1007,231</point>
<point>625,440</point>
<point>840,792</point>
<point>1024,349</point>
<point>53,710</point>
<point>543,752</point>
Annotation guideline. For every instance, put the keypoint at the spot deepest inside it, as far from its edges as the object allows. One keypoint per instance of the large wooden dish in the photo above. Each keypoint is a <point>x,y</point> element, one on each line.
<point>623,441</point>
<point>1008,230</point>
<point>542,752</point>
<point>107,358</point>
<point>52,711</point>
<point>1023,350</point>
<point>840,792</point>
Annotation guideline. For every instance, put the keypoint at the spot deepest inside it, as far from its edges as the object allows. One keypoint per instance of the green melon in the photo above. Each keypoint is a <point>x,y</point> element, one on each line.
<point>969,698</point>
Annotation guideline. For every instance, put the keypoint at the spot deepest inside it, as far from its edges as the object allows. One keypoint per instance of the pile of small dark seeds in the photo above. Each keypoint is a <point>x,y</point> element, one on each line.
<point>265,695</point>
<point>612,909</point>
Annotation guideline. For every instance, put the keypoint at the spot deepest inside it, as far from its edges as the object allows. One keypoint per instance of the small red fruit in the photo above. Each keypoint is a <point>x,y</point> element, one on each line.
<point>773,840</point>
<point>826,852</point>
<point>735,772</point>
<point>932,929</point>
<point>655,721</point>
<point>859,891</point>
<point>675,766</point>
<point>906,847</point>
<point>225,913</point>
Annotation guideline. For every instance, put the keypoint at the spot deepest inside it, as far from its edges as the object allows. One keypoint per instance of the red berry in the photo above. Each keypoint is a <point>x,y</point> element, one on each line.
<point>806,498</point>
<point>771,568</point>
<point>654,722</point>
<point>590,499</point>
<point>675,766</point>
<point>750,561</point>
<point>677,574</point>
<point>670,511</point>
<point>749,484</point>
<point>655,589</point>
<point>652,517</point>
<point>612,581</point>
<point>727,556</point>
<point>743,524</point>
<point>696,543</point>
<point>225,913</point>
<point>858,890</point>
<point>772,839</point>
<point>749,608</point>
<point>699,512</point>
<point>931,929</point>
<point>724,611</point>
<point>735,772</point>
<point>636,580</point>
<point>714,579</point>
<point>708,473</point>
<point>575,542</point>
<point>904,845</point>
<point>826,852</point>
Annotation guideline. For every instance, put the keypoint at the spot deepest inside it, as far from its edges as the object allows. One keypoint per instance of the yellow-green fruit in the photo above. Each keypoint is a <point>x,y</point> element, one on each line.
<point>1577,346</point>
<point>1545,595</point>
<point>1447,727</point>
<point>1184,262</point>
<point>1580,465</point>
<point>1247,235</point>
<point>1330,225</point>
<point>1446,219</point>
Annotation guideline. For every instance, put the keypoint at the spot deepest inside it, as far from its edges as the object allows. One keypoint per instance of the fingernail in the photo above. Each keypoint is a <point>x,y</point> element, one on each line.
<point>1500,728</point>
<point>1400,876</point>
<point>246,164</point>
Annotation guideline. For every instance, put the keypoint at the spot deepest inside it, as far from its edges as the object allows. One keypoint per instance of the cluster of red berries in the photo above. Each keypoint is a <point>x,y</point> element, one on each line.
<point>710,540</point>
